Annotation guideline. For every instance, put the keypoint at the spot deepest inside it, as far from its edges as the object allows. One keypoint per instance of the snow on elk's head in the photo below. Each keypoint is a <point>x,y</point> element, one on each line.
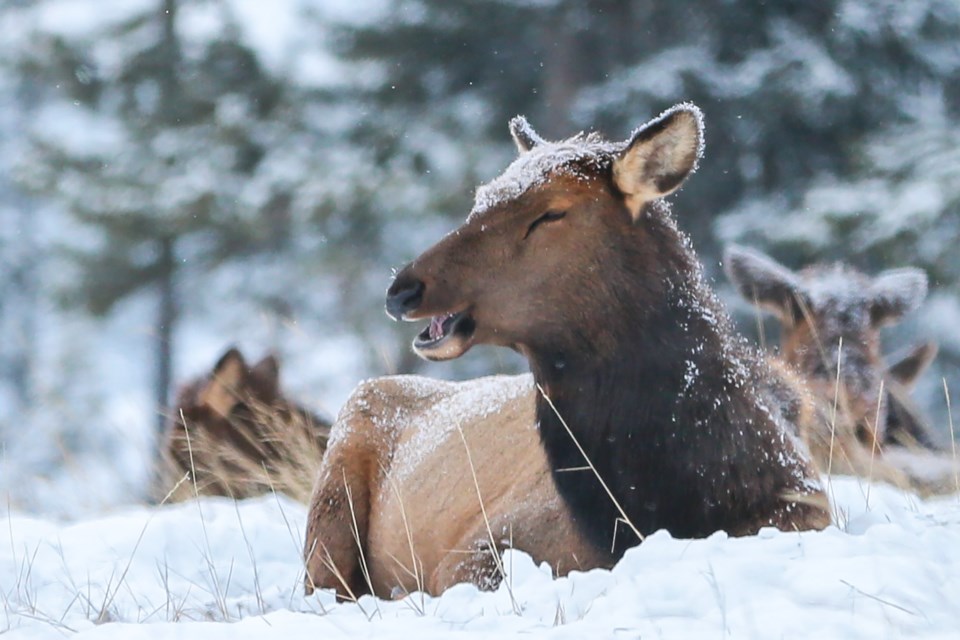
<point>553,244</point>
<point>831,316</point>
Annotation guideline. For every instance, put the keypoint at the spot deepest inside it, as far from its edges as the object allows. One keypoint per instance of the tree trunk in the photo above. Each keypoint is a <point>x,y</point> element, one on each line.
<point>167,315</point>
<point>167,311</point>
<point>561,72</point>
<point>22,292</point>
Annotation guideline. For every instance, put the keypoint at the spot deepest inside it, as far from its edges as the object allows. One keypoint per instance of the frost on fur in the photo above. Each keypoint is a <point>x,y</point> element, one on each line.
<point>653,162</point>
<point>763,281</point>
<point>896,293</point>
<point>523,134</point>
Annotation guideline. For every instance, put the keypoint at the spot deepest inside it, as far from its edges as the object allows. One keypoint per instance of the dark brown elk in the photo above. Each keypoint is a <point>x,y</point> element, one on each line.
<point>572,258</point>
<point>233,433</point>
<point>830,318</point>
<point>831,315</point>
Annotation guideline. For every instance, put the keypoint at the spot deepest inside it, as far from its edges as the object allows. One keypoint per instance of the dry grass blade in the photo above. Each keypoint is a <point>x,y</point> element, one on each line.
<point>498,562</point>
<point>327,560</point>
<point>355,529</point>
<point>109,597</point>
<point>623,514</point>
<point>875,442</point>
<point>833,421</point>
<point>253,561</point>
<point>417,572</point>
<point>207,555</point>
<point>758,316</point>
<point>272,448</point>
<point>953,439</point>
<point>880,600</point>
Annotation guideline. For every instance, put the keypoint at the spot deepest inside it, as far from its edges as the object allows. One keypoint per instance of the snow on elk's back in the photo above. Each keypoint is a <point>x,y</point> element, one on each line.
<point>891,570</point>
<point>474,399</point>
<point>534,167</point>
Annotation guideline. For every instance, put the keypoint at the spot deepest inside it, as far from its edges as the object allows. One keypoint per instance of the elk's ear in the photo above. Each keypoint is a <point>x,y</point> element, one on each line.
<point>895,293</point>
<point>267,375</point>
<point>906,424</point>
<point>220,393</point>
<point>907,367</point>
<point>523,134</point>
<point>764,282</point>
<point>659,156</point>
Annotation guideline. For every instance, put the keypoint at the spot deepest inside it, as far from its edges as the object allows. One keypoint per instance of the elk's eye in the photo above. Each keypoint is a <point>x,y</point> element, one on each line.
<point>549,216</point>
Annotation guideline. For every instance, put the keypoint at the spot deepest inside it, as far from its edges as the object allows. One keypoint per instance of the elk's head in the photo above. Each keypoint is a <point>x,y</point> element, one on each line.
<point>233,390</point>
<point>553,244</point>
<point>831,318</point>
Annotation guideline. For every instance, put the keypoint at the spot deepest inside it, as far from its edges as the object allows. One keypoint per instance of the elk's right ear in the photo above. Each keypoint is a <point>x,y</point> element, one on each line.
<point>220,393</point>
<point>659,156</point>
<point>895,293</point>
<point>267,374</point>
<point>764,282</point>
<point>523,134</point>
<point>907,367</point>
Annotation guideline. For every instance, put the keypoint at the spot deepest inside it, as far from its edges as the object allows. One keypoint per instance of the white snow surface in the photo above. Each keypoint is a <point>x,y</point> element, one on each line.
<point>218,569</point>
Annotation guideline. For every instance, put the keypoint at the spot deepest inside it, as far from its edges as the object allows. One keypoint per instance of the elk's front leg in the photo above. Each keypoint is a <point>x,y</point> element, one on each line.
<point>337,526</point>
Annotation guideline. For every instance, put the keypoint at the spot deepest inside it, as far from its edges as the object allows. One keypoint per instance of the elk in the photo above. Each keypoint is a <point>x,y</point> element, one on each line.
<point>831,317</point>
<point>234,433</point>
<point>649,410</point>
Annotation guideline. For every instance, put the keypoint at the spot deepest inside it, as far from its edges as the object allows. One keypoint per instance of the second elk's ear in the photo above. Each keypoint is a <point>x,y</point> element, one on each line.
<point>765,282</point>
<point>220,392</point>
<point>905,368</point>
<point>659,156</point>
<point>266,375</point>
<point>895,293</point>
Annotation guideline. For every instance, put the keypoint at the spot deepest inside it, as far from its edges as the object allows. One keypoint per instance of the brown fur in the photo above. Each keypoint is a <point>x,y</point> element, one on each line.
<point>233,433</point>
<point>603,295</point>
<point>397,452</point>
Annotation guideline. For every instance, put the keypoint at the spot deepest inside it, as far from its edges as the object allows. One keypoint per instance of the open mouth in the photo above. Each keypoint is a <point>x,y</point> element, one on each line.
<point>447,336</point>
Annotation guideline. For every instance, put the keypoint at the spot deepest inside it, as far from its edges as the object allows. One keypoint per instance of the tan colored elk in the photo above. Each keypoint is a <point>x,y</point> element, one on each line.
<point>233,433</point>
<point>831,317</point>
<point>652,411</point>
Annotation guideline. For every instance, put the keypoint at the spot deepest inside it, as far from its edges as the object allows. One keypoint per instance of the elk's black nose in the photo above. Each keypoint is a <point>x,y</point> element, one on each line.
<point>404,295</point>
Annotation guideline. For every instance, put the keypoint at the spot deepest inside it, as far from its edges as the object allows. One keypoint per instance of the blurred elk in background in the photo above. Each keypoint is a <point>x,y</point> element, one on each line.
<point>234,433</point>
<point>830,318</point>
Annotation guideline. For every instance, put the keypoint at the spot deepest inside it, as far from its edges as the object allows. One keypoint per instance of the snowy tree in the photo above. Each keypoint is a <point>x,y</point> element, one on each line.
<point>163,156</point>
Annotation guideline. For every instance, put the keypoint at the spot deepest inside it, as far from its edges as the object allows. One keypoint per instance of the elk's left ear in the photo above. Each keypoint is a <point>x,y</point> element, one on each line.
<point>659,156</point>
<point>220,392</point>
<point>895,293</point>
<point>907,367</point>
<point>523,134</point>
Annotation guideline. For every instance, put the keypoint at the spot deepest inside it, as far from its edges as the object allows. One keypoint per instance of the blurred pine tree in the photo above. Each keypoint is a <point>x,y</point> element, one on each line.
<point>161,161</point>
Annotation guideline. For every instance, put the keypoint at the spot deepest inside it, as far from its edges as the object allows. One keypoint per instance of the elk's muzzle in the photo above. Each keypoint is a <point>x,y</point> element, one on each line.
<point>403,296</point>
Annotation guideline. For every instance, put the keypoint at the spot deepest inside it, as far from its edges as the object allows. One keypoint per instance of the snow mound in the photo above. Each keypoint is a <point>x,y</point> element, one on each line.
<point>890,568</point>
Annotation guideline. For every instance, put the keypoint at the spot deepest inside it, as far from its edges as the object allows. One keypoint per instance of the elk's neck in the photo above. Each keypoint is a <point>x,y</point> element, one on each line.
<point>669,420</point>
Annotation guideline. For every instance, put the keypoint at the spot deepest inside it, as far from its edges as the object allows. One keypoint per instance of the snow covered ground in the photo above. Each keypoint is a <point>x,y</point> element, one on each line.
<point>219,569</point>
